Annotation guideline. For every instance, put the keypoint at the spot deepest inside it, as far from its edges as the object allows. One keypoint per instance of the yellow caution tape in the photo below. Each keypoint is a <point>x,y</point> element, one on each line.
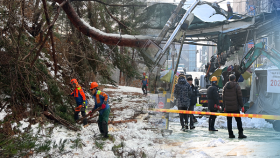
<point>269,117</point>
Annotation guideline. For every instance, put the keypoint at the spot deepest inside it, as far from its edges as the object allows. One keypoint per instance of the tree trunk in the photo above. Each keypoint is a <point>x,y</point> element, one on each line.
<point>107,38</point>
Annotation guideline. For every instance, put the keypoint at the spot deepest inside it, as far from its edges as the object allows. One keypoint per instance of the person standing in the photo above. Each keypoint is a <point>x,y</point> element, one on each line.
<point>230,12</point>
<point>144,83</point>
<point>81,100</point>
<point>193,101</point>
<point>196,82</point>
<point>101,100</point>
<point>182,93</point>
<point>229,7</point>
<point>213,102</point>
<point>232,99</point>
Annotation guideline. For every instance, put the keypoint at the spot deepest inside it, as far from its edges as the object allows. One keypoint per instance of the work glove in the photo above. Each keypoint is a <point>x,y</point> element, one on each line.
<point>242,109</point>
<point>217,107</point>
<point>70,95</point>
<point>105,102</point>
<point>147,85</point>
<point>78,108</point>
<point>103,106</point>
<point>90,113</point>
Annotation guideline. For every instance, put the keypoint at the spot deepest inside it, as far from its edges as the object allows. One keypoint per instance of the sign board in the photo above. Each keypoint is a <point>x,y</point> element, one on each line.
<point>173,87</point>
<point>273,81</point>
<point>251,10</point>
<point>160,105</point>
<point>250,45</point>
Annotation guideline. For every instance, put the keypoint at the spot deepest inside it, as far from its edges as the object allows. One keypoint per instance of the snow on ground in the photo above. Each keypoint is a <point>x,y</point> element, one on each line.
<point>221,122</point>
<point>135,140</point>
<point>124,89</point>
<point>3,114</point>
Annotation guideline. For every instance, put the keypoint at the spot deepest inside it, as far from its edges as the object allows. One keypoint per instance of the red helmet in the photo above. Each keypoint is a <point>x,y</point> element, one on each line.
<point>93,85</point>
<point>144,73</point>
<point>74,81</point>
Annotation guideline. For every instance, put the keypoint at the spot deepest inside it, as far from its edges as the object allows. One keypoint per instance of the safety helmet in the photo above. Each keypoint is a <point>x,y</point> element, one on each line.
<point>74,81</point>
<point>214,78</point>
<point>93,85</point>
<point>228,2</point>
<point>144,73</point>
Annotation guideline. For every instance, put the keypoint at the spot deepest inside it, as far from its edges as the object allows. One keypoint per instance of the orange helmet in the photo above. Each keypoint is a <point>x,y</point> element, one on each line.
<point>93,85</point>
<point>214,78</point>
<point>74,81</point>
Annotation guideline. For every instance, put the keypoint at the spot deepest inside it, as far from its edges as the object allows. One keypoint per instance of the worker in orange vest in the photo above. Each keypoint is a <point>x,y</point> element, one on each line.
<point>101,100</point>
<point>81,100</point>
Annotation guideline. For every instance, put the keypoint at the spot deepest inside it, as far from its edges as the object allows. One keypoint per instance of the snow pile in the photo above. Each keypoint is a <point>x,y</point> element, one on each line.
<point>3,114</point>
<point>23,124</point>
<point>199,108</point>
<point>216,142</point>
<point>125,89</point>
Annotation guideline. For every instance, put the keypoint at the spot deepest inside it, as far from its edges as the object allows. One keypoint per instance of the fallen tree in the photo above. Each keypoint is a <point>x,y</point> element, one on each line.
<point>106,38</point>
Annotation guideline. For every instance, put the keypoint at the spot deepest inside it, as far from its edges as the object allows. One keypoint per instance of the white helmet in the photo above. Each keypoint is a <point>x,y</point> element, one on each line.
<point>228,2</point>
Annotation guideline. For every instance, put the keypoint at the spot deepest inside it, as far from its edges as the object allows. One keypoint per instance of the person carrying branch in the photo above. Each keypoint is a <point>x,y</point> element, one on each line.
<point>101,100</point>
<point>81,100</point>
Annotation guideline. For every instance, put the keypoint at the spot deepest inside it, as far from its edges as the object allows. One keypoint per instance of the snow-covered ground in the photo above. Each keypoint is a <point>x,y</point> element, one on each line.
<point>137,140</point>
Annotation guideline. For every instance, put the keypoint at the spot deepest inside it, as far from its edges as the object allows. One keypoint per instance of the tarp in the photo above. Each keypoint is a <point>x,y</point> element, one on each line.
<point>246,75</point>
<point>167,77</point>
<point>217,73</point>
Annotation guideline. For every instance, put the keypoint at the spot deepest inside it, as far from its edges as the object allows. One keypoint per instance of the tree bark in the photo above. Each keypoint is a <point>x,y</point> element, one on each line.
<point>107,38</point>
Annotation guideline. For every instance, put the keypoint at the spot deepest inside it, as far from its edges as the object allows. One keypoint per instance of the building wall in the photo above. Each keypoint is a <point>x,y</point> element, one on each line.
<point>239,6</point>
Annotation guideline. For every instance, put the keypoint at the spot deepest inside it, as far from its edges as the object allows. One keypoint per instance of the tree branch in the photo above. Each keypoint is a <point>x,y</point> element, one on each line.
<point>41,47</point>
<point>113,5</point>
<point>51,35</point>
<point>107,38</point>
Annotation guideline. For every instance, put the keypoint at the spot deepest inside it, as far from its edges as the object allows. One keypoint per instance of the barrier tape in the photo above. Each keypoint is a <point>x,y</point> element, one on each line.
<point>269,117</point>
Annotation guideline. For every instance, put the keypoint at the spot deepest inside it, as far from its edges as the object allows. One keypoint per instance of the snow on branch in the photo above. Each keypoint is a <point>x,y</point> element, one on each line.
<point>106,38</point>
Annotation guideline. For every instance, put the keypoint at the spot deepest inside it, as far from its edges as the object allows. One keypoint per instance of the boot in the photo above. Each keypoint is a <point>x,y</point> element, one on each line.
<point>100,127</point>
<point>210,120</point>
<point>192,127</point>
<point>186,127</point>
<point>105,129</point>
<point>231,135</point>
<point>241,135</point>
<point>212,125</point>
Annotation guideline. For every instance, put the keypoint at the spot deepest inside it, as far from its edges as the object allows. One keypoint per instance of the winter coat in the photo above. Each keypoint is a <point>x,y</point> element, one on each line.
<point>99,98</point>
<point>232,96</point>
<point>182,92</point>
<point>230,9</point>
<point>212,97</point>
<point>194,95</point>
<point>196,82</point>
<point>79,95</point>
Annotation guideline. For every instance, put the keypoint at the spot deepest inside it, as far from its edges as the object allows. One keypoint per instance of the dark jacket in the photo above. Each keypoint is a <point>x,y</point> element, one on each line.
<point>182,92</point>
<point>194,95</point>
<point>230,9</point>
<point>232,96</point>
<point>212,96</point>
<point>196,82</point>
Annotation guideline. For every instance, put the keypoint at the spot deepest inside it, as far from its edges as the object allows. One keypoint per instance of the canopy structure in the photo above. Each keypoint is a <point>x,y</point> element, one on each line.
<point>238,28</point>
